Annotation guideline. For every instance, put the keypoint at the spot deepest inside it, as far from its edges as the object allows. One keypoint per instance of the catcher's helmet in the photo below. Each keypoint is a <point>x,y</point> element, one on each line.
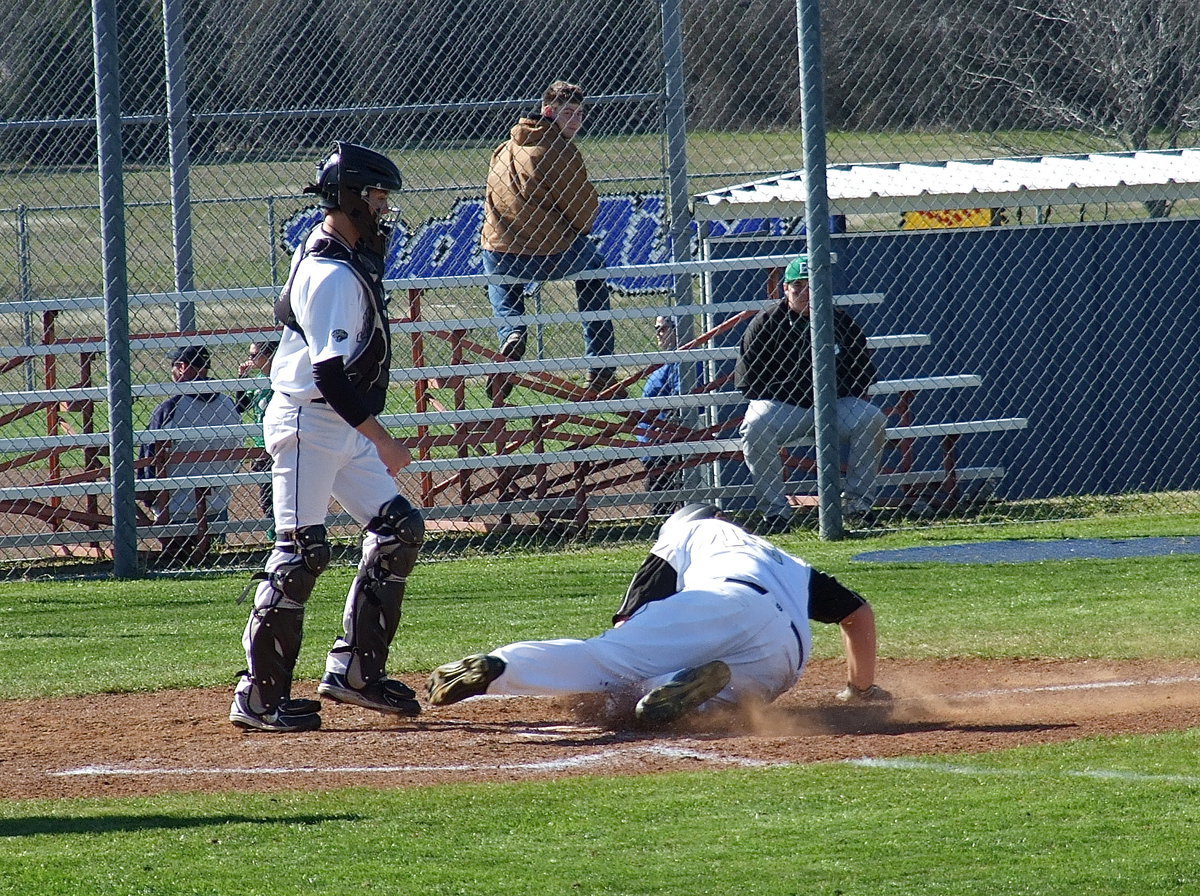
<point>353,168</point>
<point>343,179</point>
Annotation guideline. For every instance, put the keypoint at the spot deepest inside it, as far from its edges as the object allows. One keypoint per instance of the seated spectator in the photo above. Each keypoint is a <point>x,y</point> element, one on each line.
<point>258,360</point>
<point>201,506</point>
<point>775,373</point>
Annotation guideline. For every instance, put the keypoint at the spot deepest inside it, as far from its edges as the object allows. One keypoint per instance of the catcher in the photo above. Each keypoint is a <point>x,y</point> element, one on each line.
<point>329,380</point>
<point>714,617</point>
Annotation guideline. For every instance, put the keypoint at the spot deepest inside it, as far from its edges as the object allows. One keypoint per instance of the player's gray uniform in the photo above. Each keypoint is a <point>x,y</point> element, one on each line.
<point>709,590</point>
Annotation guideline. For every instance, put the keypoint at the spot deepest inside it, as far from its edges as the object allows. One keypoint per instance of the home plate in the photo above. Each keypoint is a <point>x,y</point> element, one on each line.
<point>554,732</point>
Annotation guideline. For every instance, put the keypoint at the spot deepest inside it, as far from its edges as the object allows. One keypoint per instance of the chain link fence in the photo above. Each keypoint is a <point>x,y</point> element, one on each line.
<point>1023,271</point>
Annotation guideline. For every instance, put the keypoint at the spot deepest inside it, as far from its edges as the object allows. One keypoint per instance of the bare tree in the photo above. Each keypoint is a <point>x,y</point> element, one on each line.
<point>1127,71</point>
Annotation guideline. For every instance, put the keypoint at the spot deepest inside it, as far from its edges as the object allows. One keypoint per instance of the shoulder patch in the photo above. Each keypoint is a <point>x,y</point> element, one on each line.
<point>339,335</point>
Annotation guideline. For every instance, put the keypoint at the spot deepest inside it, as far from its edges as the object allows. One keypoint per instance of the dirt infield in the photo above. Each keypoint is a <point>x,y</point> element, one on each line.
<point>134,744</point>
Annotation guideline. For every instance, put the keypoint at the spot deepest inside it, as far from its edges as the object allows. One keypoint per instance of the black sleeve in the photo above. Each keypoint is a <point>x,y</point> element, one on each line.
<point>830,601</point>
<point>859,371</point>
<point>654,580</point>
<point>335,387</point>
<point>160,419</point>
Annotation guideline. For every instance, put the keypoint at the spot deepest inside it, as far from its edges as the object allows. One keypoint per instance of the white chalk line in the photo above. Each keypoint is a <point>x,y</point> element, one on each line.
<point>558,732</point>
<point>1082,686</point>
<point>603,757</point>
<point>606,756</point>
<point>950,768</point>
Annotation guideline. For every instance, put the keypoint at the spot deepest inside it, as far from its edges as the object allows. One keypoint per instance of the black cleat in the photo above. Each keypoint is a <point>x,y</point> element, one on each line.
<point>385,695</point>
<point>300,705</point>
<point>683,693</point>
<point>282,720</point>
<point>469,677</point>
<point>774,525</point>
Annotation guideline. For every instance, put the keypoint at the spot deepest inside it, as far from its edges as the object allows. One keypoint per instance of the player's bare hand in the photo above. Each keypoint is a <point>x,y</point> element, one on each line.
<point>394,454</point>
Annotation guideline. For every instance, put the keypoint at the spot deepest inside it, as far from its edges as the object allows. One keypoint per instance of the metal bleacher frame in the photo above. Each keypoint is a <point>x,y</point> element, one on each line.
<point>575,459</point>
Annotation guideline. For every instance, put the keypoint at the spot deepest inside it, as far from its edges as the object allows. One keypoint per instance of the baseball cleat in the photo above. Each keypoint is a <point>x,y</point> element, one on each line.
<point>852,696</point>
<point>500,385</point>
<point>683,693</point>
<point>384,695</point>
<point>469,677</point>
<point>282,720</point>
<point>299,705</point>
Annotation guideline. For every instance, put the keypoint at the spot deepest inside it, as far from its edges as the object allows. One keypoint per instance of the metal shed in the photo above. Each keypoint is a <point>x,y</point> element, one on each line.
<point>896,187</point>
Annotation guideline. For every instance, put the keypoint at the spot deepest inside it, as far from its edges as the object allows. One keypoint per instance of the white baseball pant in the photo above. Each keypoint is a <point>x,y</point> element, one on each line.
<point>764,649</point>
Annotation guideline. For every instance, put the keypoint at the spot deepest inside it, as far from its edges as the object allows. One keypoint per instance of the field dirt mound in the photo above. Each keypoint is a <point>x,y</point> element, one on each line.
<point>135,744</point>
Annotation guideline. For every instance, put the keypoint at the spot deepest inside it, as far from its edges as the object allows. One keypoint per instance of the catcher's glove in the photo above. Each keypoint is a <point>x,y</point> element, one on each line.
<point>854,696</point>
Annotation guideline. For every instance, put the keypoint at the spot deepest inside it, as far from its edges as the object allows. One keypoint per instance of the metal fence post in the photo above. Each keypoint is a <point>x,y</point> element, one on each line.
<point>272,250</point>
<point>116,287</point>
<point>175,52</point>
<point>675,113</point>
<point>820,273</point>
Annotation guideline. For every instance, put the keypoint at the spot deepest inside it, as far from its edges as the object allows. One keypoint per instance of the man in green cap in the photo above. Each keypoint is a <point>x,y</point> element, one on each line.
<point>775,374</point>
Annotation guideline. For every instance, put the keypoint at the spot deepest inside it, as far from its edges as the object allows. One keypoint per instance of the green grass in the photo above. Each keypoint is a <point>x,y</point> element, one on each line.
<point>71,637</point>
<point>1101,816</point>
<point>236,202</point>
<point>1097,817</point>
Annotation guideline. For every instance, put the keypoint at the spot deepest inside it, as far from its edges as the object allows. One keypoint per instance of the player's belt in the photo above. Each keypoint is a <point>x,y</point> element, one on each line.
<point>754,586</point>
<point>305,400</point>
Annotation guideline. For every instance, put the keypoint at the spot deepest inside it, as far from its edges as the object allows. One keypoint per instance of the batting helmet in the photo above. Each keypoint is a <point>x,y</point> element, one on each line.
<point>689,513</point>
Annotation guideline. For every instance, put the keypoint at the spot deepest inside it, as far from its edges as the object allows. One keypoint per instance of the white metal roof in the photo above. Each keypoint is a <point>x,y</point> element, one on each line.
<point>889,187</point>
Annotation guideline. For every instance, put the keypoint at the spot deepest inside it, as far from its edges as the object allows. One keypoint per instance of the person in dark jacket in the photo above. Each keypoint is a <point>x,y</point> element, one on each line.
<point>775,374</point>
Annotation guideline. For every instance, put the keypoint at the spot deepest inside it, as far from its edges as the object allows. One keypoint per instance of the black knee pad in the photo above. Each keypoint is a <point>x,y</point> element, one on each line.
<point>277,621</point>
<point>295,578</point>
<point>401,532</point>
<point>399,518</point>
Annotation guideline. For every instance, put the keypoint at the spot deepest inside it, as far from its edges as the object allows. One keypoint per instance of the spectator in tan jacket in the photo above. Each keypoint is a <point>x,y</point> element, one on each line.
<point>539,210</point>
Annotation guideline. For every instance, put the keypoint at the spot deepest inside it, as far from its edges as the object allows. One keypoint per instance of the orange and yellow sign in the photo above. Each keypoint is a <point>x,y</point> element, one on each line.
<point>949,217</point>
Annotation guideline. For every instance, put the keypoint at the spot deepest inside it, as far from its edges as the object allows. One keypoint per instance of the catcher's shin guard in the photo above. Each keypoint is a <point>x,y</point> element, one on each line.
<point>273,634</point>
<point>390,550</point>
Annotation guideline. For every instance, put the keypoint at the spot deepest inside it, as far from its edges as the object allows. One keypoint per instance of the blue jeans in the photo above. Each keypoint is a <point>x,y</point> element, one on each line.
<point>508,299</point>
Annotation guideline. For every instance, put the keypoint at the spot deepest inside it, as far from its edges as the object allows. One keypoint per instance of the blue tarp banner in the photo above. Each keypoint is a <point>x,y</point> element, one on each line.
<point>629,230</point>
